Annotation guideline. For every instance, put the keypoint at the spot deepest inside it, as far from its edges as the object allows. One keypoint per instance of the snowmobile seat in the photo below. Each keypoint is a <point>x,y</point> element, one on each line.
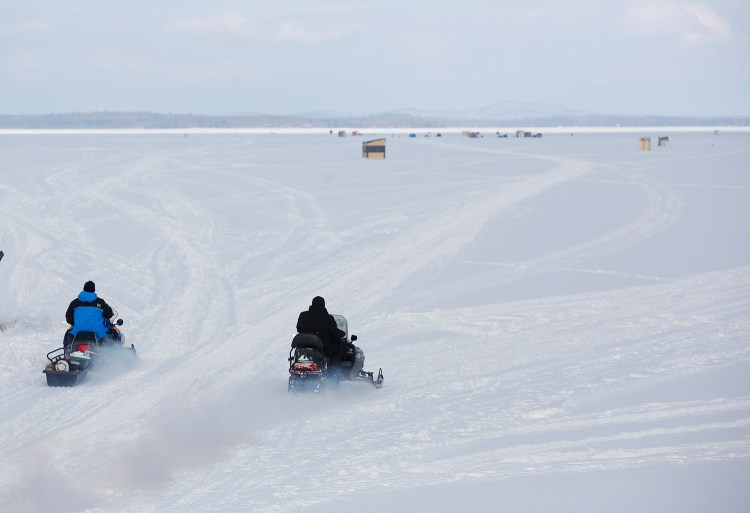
<point>307,340</point>
<point>85,336</point>
<point>82,337</point>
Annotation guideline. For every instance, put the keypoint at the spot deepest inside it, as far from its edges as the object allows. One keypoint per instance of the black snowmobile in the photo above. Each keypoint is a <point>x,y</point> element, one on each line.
<point>309,369</point>
<point>68,365</point>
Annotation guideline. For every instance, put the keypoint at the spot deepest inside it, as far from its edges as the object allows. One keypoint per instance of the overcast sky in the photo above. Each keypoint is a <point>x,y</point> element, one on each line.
<point>668,57</point>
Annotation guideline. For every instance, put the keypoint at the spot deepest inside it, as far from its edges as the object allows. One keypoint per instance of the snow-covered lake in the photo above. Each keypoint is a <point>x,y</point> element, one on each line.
<point>563,323</point>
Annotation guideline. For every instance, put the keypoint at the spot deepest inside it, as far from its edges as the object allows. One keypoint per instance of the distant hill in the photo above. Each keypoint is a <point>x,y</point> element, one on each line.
<point>502,114</point>
<point>506,110</point>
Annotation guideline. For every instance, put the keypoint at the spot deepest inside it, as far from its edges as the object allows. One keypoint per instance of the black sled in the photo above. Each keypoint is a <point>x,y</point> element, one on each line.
<point>311,371</point>
<point>69,365</point>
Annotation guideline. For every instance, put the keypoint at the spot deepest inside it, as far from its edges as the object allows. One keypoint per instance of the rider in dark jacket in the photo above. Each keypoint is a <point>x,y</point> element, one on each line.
<point>88,312</point>
<point>317,320</point>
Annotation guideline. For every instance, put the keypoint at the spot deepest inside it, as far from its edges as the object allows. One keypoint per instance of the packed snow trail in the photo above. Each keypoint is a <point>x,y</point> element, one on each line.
<point>501,370</point>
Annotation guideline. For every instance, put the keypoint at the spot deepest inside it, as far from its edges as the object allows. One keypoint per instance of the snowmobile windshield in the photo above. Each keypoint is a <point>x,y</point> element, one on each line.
<point>342,324</point>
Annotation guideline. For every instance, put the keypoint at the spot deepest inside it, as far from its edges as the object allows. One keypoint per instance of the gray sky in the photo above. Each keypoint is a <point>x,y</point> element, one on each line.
<point>669,57</point>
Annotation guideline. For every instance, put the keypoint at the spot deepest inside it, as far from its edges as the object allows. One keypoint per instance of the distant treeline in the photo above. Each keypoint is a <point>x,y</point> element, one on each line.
<point>149,120</point>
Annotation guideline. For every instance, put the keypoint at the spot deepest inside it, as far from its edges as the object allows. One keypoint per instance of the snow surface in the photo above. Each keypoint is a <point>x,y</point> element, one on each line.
<point>563,323</point>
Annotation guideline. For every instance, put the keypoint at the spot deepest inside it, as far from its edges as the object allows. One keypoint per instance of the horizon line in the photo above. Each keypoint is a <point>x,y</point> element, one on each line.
<point>310,114</point>
<point>354,131</point>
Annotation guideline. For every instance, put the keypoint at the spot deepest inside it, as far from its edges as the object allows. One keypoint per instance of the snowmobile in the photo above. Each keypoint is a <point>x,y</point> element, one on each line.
<point>69,365</point>
<point>309,369</point>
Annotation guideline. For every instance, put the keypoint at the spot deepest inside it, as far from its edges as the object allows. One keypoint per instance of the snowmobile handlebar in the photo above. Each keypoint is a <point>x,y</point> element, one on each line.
<point>110,324</point>
<point>115,314</point>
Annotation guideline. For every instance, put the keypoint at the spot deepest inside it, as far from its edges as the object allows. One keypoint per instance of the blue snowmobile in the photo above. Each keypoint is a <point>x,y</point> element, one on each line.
<point>69,365</point>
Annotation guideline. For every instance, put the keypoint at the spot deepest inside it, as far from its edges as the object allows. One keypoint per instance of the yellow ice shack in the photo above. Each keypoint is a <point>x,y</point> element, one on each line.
<point>374,149</point>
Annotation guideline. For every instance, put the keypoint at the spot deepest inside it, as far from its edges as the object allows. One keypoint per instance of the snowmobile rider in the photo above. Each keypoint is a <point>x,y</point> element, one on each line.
<point>88,312</point>
<point>317,320</point>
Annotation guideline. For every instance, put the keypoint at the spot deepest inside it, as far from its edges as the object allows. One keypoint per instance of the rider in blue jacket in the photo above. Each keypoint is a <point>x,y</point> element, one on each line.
<point>88,312</point>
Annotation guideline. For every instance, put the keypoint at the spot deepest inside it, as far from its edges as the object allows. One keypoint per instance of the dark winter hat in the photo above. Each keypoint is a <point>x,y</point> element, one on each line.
<point>89,287</point>
<point>319,302</point>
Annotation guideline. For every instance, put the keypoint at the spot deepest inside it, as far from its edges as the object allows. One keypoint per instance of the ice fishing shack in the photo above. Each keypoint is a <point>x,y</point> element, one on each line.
<point>374,149</point>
